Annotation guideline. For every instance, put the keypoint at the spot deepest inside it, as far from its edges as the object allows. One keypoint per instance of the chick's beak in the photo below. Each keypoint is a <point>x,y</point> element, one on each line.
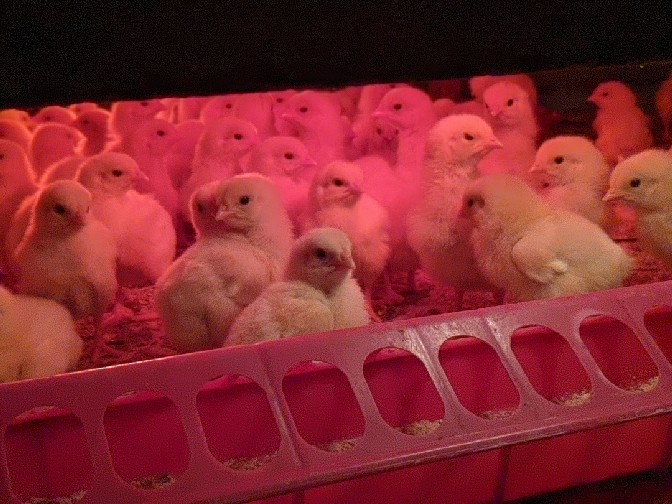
<point>141,175</point>
<point>614,194</point>
<point>535,168</point>
<point>345,261</point>
<point>382,114</point>
<point>591,99</point>
<point>308,162</point>
<point>493,143</point>
<point>79,217</point>
<point>222,213</point>
<point>290,117</point>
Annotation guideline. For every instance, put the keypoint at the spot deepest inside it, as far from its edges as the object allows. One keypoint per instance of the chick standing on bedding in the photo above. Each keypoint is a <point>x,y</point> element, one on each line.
<point>16,184</point>
<point>436,232</point>
<point>287,162</point>
<point>513,121</point>
<point>532,251</point>
<point>238,254</point>
<point>578,177</point>
<point>644,181</point>
<point>318,293</point>
<point>67,255</point>
<point>37,338</point>
<point>621,126</point>
<point>337,200</point>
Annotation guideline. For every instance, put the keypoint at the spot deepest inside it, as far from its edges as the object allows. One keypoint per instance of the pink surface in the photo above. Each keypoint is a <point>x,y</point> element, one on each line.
<point>190,427</point>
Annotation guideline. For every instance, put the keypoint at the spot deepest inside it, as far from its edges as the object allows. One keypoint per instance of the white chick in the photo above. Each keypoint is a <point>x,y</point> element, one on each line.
<point>443,107</point>
<point>64,169</point>
<point>286,161</point>
<point>18,115</point>
<point>318,294</point>
<point>54,114</point>
<point>218,107</point>
<point>181,155</point>
<point>337,200</point>
<point>67,255</point>
<point>438,235</point>
<point>621,126</point>
<point>577,175</point>
<point>478,85</point>
<point>644,181</point>
<point>190,108</point>
<point>532,251</point>
<point>218,153</point>
<point>142,228</point>
<point>280,99</point>
<point>235,258</point>
<point>664,105</point>
<point>16,132</point>
<point>37,338</point>
<point>126,116</point>
<point>258,109</point>
<point>149,144</point>
<point>52,142</point>
<point>93,123</point>
<point>316,117</point>
<point>16,184</point>
<point>514,124</point>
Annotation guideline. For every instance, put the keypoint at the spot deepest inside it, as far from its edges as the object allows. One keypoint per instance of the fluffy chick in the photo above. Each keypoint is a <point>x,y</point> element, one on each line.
<point>54,114</point>
<point>478,85</point>
<point>235,258</point>
<point>16,184</point>
<point>337,200</point>
<point>125,116</point>
<point>67,255</point>
<point>142,228</point>
<point>181,155</point>
<point>578,177</point>
<point>437,234</point>
<point>93,123</point>
<point>63,169</point>
<point>513,121</point>
<point>621,126</point>
<point>287,162</point>
<point>52,142</point>
<point>644,181</point>
<point>318,293</point>
<point>16,132</point>
<point>218,153</point>
<point>37,338</point>
<point>18,115</point>
<point>524,246</point>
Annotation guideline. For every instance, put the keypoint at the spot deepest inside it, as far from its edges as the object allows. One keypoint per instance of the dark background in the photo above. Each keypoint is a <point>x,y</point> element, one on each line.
<point>56,52</point>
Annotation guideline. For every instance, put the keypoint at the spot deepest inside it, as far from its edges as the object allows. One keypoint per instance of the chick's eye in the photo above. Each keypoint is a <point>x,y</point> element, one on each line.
<point>289,155</point>
<point>468,136</point>
<point>47,118</point>
<point>85,121</point>
<point>199,207</point>
<point>144,104</point>
<point>338,182</point>
<point>117,173</point>
<point>605,94</point>
<point>303,110</point>
<point>228,105</point>
<point>59,209</point>
<point>2,156</point>
<point>397,106</point>
<point>320,253</point>
<point>244,200</point>
<point>161,133</point>
<point>279,100</point>
<point>509,102</point>
<point>635,182</point>
<point>379,131</point>
<point>558,159</point>
<point>471,202</point>
<point>238,136</point>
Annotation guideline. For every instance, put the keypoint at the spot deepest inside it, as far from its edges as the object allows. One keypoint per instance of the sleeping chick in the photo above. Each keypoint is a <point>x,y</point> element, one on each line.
<point>337,200</point>
<point>240,250</point>
<point>621,126</point>
<point>578,176</point>
<point>37,338</point>
<point>644,181</point>
<point>318,293</point>
<point>532,251</point>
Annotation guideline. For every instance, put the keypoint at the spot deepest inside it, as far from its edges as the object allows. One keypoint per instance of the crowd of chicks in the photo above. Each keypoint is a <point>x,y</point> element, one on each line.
<point>266,215</point>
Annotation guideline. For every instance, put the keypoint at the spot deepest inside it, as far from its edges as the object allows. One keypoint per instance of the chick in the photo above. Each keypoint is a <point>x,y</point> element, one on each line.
<point>63,169</point>
<point>218,153</point>
<point>286,161</point>
<point>644,181</point>
<point>190,108</point>
<point>478,85</point>
<point>438,235</point>
<point>16,132</point>
<point>218,107</point>
<point>257,108</point>
<point>664,105</point>
<point>337,200</point>
<point>126,116</point>
<point>316,118</point>
<point>578,177</point>
<point>621,126</point>
<point>280,99</point>
<point>52,142</point>
<point>93,123</point>
<point>239,252</point>
<point>54,114</point>
<point>181,155</point>
<point>142,228</point>
<point>78,108</point>
<point>513,121</point>
<point>37,338</point>
<point>16,184</point>
<point>532,251</point>
<point>20,116</point>
<point>318,294</point>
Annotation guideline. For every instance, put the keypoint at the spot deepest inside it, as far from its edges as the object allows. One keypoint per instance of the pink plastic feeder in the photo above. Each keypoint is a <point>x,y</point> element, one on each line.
<point>489,405</point>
